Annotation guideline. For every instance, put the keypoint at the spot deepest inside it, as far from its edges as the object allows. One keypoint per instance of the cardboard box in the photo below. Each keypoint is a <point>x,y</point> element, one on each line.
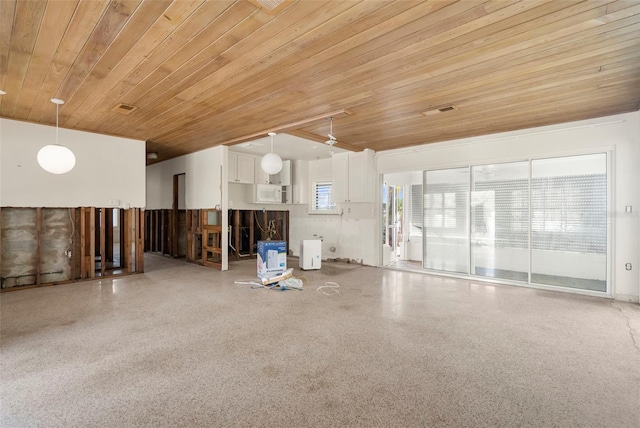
<point>272,258</point>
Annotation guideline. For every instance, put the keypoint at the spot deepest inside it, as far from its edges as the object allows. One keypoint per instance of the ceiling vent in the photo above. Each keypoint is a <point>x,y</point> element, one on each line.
<point>271,6</point>
<point>441,109</point>
<point>124,108</point>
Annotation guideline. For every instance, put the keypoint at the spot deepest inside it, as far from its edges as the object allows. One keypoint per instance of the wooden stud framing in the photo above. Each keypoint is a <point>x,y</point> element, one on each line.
<point>139,233</point>
<point>103,247</point>
<point>38,243</point>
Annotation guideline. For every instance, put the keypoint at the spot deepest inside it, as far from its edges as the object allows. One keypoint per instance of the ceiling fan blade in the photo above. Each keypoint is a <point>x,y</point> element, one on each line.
<point>331,137</point>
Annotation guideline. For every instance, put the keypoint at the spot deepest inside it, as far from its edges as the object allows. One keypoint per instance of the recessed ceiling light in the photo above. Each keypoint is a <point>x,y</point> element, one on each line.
<point>2,92</point>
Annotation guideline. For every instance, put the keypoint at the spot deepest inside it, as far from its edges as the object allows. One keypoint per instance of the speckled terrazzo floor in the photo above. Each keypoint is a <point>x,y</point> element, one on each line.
<point>182,346</point>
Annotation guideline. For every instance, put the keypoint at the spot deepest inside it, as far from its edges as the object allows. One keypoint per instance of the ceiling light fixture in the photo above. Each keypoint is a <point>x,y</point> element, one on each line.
<point>332,140</point>
<point>2,92</point>
<point>55,158</point>
<point>152,155</point>
<point>271,163</point>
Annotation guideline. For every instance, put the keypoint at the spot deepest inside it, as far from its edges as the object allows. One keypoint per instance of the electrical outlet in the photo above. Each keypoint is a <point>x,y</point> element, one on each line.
<point>114,202</point>
<point>627,266</point>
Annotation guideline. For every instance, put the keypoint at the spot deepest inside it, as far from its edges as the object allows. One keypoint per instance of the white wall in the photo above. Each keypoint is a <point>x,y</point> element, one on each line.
<point>351,232</point>
<point>107,168</point>
<point>202,181</point>
<point>160,182</point>
<point>203,185</point>
<point>619,134</point>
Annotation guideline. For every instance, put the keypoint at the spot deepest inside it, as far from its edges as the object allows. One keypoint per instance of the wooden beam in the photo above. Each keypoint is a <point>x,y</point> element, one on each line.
<point>288,126</point>
<point>320,139</point>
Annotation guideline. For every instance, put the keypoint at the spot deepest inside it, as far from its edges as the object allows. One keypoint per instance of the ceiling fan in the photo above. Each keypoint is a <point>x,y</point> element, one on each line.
<point>332,140</point>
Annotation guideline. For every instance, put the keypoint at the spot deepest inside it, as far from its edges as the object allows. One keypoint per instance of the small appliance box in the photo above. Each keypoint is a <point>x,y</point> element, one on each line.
<point>272,258</point>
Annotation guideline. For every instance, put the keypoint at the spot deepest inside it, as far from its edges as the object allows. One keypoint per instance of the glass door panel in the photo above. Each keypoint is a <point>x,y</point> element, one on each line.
<point>446,220</point>
<point>569,222</point>
<point>500,221</point>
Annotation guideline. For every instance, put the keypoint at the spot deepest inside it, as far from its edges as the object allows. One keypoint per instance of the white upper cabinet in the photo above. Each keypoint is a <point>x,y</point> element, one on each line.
<point>300,187</point>
<point>282,178</point>
<point>261,177</point>
<point>241,168</point>
<point>353,176</point>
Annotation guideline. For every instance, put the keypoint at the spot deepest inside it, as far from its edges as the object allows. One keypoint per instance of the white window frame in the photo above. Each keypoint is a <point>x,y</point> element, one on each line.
<point>332,209</point>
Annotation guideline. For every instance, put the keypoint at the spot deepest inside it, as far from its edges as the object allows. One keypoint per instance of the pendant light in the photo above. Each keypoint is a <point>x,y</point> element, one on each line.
<point>271,163</point>
<point>55,158</point>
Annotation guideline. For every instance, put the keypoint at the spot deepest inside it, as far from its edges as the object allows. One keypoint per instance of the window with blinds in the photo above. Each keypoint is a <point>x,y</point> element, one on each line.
<point>416,209</point>
<point>323,199</point>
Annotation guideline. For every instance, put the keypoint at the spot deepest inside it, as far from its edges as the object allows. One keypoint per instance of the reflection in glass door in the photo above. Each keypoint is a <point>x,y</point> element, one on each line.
<point>446,220</point>
<point>542,222</point>
<point>569,222</point>
<point>500,221</point>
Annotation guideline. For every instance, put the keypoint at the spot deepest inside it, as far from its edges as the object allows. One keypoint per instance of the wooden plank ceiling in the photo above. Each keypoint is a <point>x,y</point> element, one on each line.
<point>202,73</point>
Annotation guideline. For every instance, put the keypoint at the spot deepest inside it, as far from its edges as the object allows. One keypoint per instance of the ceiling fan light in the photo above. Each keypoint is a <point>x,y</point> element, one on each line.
<point>271,163</point>
<point>56,159</point>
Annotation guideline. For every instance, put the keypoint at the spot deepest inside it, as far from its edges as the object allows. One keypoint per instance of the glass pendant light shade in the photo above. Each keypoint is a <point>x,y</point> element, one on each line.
<point>271,163</point>
<point>56,159</point>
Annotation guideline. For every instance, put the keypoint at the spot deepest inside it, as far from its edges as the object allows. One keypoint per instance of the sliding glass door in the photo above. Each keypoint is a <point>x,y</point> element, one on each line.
<point>569,222</point>
<point>446,220</point>
<point>500,221</point>
<point>542,221</point>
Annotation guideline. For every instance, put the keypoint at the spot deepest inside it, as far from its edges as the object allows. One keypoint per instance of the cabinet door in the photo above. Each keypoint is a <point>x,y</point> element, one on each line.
<point>340,177</point>
<point>261,177</point>
<point>245,172</point>
<point>300,181</point>
<point>232,167</point>
<point>357,182</point>
<point>285,174</point>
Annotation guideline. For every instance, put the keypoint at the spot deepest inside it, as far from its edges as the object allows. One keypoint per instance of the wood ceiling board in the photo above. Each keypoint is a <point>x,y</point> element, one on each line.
<point>268,96</point>
<point>28,16</point>
<point>170,103</point>
<point>104,36</point>
<point>79,29</point>
<point>254,101</point>
<point>7,12</point>
<point>142,20</point>
<point>205,73</point>
<point>374,110</point>
<point>451,81</point>
<point>232,96</point>
<point>193,71</point>
<point>54,24</point>
<point>118,85</point>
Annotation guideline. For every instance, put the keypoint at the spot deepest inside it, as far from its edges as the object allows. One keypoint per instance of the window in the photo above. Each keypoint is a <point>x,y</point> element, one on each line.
<point>322,196</point>
<point>416,209</point>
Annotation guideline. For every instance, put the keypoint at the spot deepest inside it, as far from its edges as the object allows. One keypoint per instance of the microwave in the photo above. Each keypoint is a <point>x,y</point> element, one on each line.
<point>267,193</point>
